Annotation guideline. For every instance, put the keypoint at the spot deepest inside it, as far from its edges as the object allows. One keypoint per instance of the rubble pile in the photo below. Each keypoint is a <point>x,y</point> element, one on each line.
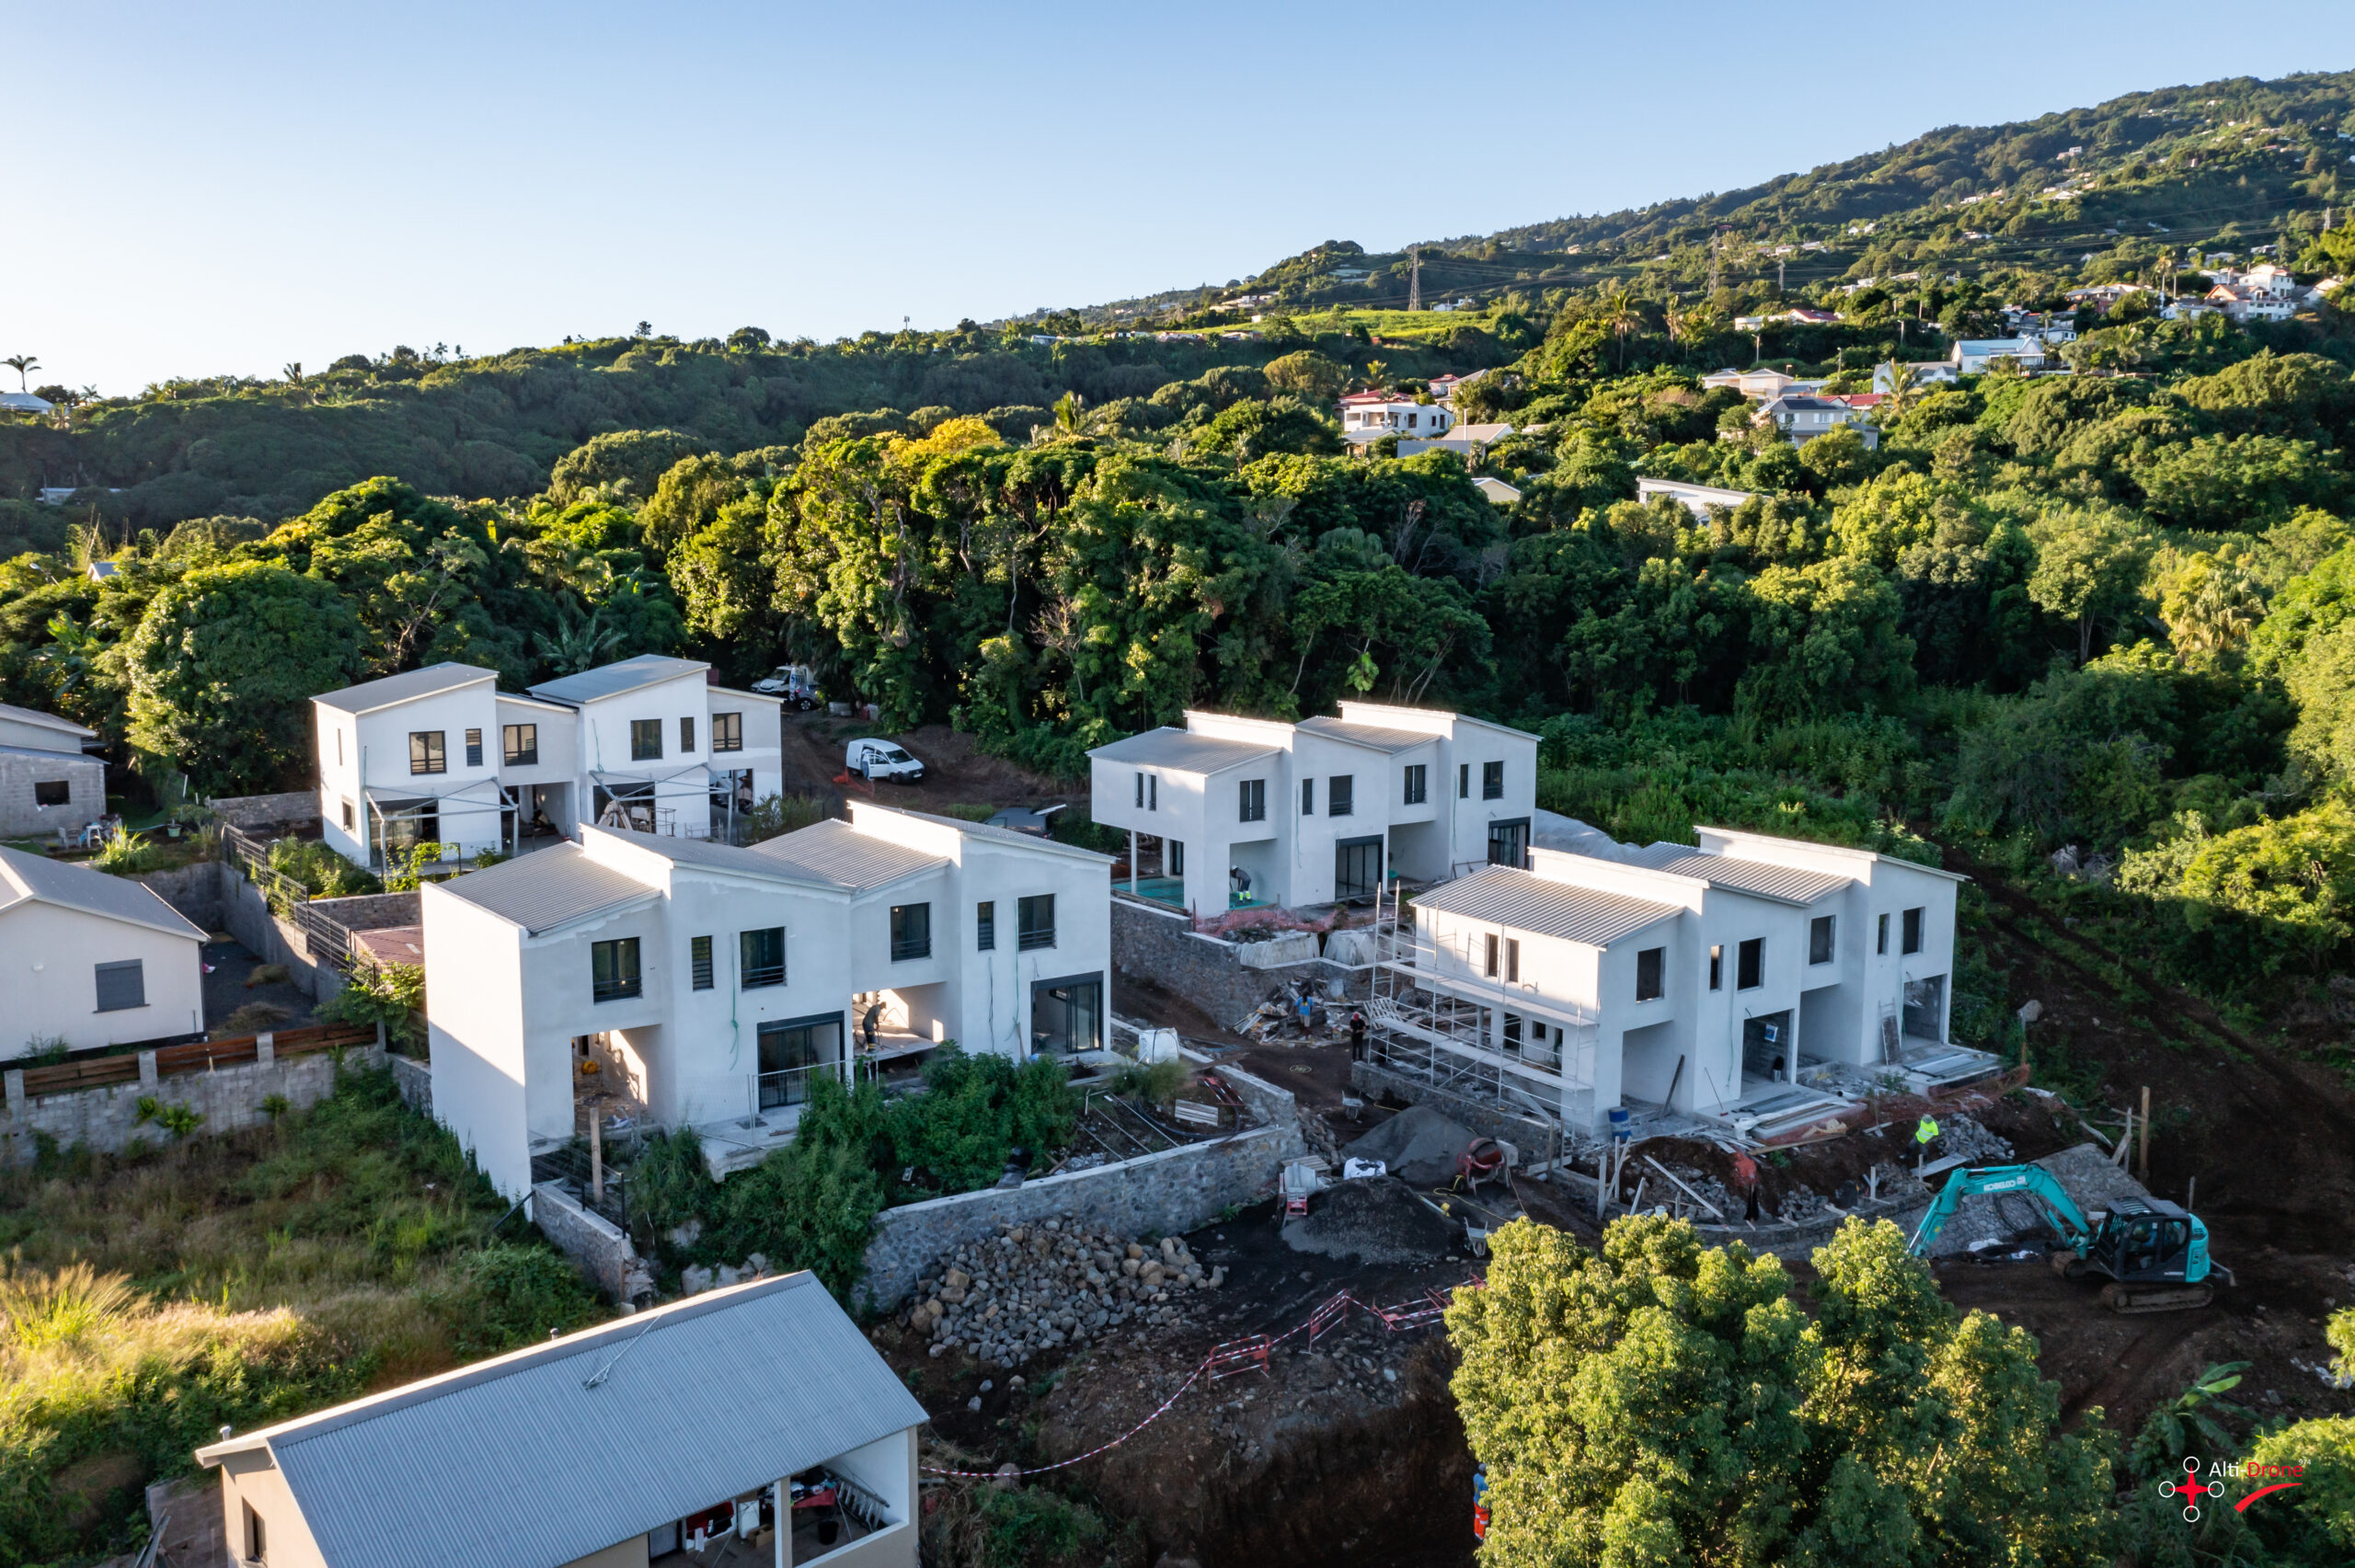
<point>1032,1287</point>
<point>1960,1135</point>
<point>1711,1190</point>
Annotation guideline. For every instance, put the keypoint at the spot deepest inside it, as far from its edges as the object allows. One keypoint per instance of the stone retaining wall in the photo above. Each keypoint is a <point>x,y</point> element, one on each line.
<point>193,890</point>
<point>1168,1193</point>
<point>245,915</point>
<point>1211,974</point>
<point>416,1080</point>
<point>251,811</point>
<point>107,1118</point>
<point>596,1244</point>
<point>372,912</point>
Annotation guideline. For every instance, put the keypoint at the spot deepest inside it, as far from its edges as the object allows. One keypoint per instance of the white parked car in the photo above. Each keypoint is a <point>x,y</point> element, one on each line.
<point>882,759</point>
<point>794,683</point>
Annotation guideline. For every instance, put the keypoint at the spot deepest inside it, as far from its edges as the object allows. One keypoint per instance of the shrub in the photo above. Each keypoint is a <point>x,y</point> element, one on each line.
<point>393,995</point>
<point>322,873</point>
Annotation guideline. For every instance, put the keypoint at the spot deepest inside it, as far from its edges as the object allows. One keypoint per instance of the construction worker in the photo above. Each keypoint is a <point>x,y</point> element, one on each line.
<point>1356,1035</point>
<point>1745,1177</point>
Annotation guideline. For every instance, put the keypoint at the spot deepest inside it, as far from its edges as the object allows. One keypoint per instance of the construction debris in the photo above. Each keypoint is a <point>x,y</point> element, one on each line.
<point>1376,1221</point>
<point>1031,1288</point>
<point>1417,1143</point>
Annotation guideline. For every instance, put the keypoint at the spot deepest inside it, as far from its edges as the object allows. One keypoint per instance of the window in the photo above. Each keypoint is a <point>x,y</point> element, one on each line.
<point>1648,964</point>
<point>985,926</point>
<point>1513,959</point>
<point>1913,931</point>
<point>699,962</point>
<point>1749,965</point>
<point>1340,795</point>
<point>1173,857</point>
<point>346,817</point>
<point>520,742</point>
<point>1308,798</point>
<point>1037,921</point>
<point>338,748</point>
<point>728,732</point>
<point>1253,806</point>
<point>1490,967</point>
<point>1718,968</point>
<point>646,740</point>
<point>1880,941</point>
<point>1415,785</point>
<point>474,749</point>
<point>1819,940</point>
<point>122,986</point>
<point>612,970</point>
<point>686,735</point>
<point>53,792</point>
<point>1492,781</point>
<point>761,957</point>
<point>1153,792</point>
<point>1139,792</point>
<point>1463,780</point>
<point>425,752</point>
<point>257,1546</point>
<point>911,931</point>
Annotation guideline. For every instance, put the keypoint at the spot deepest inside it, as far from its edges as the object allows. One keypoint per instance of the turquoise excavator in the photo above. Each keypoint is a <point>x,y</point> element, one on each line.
<point>2153,1254</point>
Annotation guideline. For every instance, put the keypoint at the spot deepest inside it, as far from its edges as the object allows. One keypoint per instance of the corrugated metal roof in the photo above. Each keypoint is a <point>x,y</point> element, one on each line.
<point>1371,736</point>
<point>521,1462</point>
<point>31,878</point>
<point>837,853</point>
<point>1525,902</point>
<point>431,681</point>
<point>548,888</point>
<point>1183,750</point>
<point>612,679</point>
<point>47,721</point>
<point>1785,884</point>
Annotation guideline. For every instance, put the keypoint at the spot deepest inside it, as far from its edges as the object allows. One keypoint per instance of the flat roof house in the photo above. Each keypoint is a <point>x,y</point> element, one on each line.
<point>1231,812</point>
<point>1704,981</point>
<point>441,755</point>
<point>92,959</point>
<point>735,1412</point>
<point>48,784</point>
<point>1369,416</point>
<point>709,983</point>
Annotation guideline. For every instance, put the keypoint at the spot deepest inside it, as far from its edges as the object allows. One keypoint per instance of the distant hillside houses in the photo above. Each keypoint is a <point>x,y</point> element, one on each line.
<point>1369,416</point>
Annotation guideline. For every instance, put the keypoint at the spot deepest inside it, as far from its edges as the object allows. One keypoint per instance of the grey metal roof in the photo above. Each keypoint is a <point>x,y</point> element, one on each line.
<point>1182,750</point>
<point>1371,736</point>
<point>45,755</point>
<point>36,879</point>
<point>835,852</point>
<point>1527,902</point>
<point>431,681</point>
<point>703,1400</point>
<point>1784,884</point>
<point>548,888</point>
<point>47,721</point>
<point>612,679</point>
<point>991,832</point>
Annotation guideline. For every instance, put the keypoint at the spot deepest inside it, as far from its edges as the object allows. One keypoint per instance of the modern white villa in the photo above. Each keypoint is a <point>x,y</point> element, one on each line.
<point>1234,812</point>
<point>694,982</point>
<point>1706,981</point>
<point>441,755</point>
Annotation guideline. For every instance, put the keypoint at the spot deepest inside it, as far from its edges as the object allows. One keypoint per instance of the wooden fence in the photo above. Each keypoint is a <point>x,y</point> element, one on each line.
<point>201,1056</point>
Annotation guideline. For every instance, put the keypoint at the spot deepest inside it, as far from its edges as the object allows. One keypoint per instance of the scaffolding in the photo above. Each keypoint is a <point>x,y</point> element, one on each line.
<point>1434,1018</point>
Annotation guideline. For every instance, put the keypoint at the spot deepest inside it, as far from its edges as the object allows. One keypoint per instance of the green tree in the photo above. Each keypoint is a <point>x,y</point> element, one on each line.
<point>2088,564</point>
<point>223,667</point>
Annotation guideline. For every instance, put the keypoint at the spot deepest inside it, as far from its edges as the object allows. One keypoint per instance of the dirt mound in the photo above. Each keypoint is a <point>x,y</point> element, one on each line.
<point>1418,1144</point>
<point>1375,1219</point>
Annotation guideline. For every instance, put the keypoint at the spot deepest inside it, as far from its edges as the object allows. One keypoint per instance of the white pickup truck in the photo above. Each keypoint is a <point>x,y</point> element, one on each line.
<point>872,759</point>
<point>794,683</point>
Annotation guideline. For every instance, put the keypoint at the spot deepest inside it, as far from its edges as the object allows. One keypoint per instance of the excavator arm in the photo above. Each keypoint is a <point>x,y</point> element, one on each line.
<point>2033,1182</point>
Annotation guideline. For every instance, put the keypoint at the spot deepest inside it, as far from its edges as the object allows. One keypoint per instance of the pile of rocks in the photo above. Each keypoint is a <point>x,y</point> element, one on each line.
<point>1960,1135</point>
<point>1032,1287</point>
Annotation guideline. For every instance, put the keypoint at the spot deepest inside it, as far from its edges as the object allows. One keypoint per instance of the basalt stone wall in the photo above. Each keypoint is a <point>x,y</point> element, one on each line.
<point>229,1098</point>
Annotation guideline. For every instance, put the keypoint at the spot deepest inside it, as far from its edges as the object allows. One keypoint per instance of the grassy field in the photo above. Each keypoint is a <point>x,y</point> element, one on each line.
<point>148,1300</point>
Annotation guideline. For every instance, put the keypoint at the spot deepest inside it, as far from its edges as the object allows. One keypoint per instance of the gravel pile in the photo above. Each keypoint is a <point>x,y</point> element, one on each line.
<point>1960,1135</point>
<point>1707,1187</point>
<point>1030,1288</point>
<point>1375,1219</point>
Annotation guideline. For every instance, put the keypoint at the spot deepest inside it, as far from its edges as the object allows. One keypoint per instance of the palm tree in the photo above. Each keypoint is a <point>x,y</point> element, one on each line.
<point>1071,413</point>
<point>1618,313</point>
<point>23,364</point>
<point>578,641</point>
<point>294,372</point>
<point>1904,388</point>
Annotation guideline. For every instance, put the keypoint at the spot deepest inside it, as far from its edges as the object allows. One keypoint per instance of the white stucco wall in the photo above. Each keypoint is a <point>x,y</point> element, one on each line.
<point>49,982</point>
<point>475,1024</point>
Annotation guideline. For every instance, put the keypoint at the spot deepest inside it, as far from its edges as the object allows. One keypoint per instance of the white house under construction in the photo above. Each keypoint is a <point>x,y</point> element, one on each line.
<point>1701,982</point>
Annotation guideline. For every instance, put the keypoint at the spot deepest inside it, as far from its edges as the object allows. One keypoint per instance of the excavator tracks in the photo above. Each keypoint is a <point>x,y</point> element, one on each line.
<point>2131,1298</point>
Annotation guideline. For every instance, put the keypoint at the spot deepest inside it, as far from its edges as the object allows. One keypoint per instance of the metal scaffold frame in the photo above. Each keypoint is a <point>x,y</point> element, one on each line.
<point>1429,1021</point>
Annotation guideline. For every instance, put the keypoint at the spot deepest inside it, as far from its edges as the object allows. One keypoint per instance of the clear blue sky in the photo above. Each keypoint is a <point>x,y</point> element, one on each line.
<point>194,189</point>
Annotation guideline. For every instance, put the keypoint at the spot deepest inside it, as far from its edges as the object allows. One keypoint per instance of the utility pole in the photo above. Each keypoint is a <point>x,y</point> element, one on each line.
<point>1414,277</point>
<point>1778,280</point>
<point>1716,262</point>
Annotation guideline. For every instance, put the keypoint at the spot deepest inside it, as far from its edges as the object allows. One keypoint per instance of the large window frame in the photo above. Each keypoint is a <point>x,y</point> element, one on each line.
<point>429,752</point>
<point>699,963</point>
<point>1821,932</point>
<point>1492,781</point>
<point>1416,783</point>
<point>1915,920</point>
<point>122,986</point>
<point>760,956</point>
<point>1251,800</point>
<point>911,933</point>
<point>727,732</point>
<point>614,972</point>
<point>1037,913</point>
<point>519,744</point>
<point>985,926</point>
<point>1750,964</point>
<point>646,740</point>
<point>1342,795</point>
<point>1651,974</point>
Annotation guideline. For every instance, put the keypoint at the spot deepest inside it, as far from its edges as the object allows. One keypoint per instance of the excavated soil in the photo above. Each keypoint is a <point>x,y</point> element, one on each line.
<point>955,773</point>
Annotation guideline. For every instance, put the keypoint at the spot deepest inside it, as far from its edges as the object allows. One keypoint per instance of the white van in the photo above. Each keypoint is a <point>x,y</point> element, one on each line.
<point>873,759</point>
<point>794,683</point>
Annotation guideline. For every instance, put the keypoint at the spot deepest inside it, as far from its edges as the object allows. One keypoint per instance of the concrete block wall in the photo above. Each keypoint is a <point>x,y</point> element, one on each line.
<point>245,914</point>
<point>1169,1193</point>
<point>22,817</point>
<point>107,1118</point>
<point>370,912</point>
<point>252,812</point>
<point>416,1080</point>
<point>193,890</point>
<point>599,1246</point>
<point>1163,949</point>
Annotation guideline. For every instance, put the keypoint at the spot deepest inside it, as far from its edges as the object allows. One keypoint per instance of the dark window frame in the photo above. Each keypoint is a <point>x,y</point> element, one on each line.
<point>911,933</point>
<point>1493,953</point>
<point>474,749</point>
<point>686,734</point>
<point>1342,795</point>
<point>1308,798</point>
<point>1916,924</point>
<point>624,975</point>
<point>53,792</point>
<point>1463,780</point>
<point>1031,933</point>
<point>133,969</point>
<point>1651,974</point>
<point>699,967</point>
<point>646,740</point>
<point>756,968</point>
<point>1416,789</point>
<point>519,744</point>
<point>1750,964</point>
<point>1716,965</point>
<point>1880,941</point>
<point>727,732</point>
<point>1492,781</point>
<point>985,926</point>
<point>429,752</point>
<point>1823,934</point>
<point>1512,960</point>
<point>1251,800</point>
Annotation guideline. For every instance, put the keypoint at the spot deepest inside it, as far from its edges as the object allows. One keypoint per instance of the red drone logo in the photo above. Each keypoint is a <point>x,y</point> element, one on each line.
<point>2190,1489</point>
